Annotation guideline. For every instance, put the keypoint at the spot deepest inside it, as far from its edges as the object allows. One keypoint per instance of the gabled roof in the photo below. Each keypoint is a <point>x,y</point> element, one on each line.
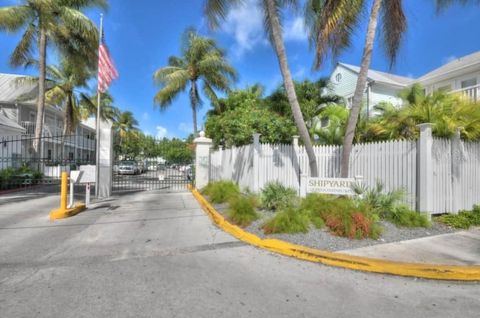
<point>382,77</point>
<point>12,90</point>
<point>8,122</point>
<point>469,61</point>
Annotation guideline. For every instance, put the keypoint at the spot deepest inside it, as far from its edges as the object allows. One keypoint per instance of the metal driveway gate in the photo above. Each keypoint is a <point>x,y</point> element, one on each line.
<point>141,172</point>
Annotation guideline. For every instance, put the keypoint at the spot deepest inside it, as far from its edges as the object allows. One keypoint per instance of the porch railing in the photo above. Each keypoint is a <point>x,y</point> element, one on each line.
<point>472,92</point>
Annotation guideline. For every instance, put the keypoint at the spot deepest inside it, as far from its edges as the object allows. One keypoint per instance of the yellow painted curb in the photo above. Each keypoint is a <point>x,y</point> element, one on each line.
<point>430,271</point>
<point>65,213</point>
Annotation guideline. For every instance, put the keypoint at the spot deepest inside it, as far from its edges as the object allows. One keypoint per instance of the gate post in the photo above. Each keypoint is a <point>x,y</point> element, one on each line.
<point>425,170</point>
<point>457,156</point>
<point>105,161</point>
<point>256,157</point>
<point>202,160</point>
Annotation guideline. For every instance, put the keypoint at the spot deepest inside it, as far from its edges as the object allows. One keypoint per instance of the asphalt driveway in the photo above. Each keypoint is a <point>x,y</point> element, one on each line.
<point>152,254</point>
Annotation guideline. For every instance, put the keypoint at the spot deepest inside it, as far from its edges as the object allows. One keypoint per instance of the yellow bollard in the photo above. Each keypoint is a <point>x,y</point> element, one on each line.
<point>64,191</point>
<point>64,211</point>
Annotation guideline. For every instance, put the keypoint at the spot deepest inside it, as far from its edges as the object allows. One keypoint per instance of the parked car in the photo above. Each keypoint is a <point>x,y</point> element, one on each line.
<point>128,167</point>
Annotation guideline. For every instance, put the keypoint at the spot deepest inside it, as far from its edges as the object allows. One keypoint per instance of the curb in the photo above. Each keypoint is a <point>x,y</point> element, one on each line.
<point>62,214</point>
<point>429,271</point>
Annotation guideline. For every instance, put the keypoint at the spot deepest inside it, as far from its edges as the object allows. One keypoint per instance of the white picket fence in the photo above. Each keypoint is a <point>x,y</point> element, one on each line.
<point>455,168</point>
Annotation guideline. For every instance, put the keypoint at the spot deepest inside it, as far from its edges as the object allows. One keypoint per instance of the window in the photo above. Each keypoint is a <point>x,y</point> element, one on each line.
<point>349,102</point>
<point>49,154</point>
<point>338,77</point>
<point>469,82</point>
<point>70,156</point>
<point>445,88</point>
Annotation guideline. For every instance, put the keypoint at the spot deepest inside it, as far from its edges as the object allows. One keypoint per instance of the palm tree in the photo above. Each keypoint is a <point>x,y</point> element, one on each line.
<point>88,107</point>
<point>216,10</point>
<point>393,25</point>
<point>57,22</point>
<point>125,124</point>
<point>65,79</point>
<point>201,61</point>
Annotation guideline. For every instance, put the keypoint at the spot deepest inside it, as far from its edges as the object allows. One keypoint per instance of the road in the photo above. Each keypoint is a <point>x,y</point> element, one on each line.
<point>151,254</point>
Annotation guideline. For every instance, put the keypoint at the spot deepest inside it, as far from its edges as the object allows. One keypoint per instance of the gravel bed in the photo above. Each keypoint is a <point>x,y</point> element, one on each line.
<point>322,239</point>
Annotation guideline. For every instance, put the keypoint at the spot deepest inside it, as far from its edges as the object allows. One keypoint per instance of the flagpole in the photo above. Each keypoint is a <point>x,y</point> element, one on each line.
<point>97,166</point>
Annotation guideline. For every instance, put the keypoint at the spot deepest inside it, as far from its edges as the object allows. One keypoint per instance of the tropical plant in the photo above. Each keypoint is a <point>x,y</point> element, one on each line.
<point>334,131</point>
<point>289,220</point>
<point>88,106</point>
<point>276,196</point>
<point>446,112</point>
<point>312,97</point>
<point>221,191</point>
<point>244,113</point>
<point>216,10</point>
<point>328,36</point>
<point>57,22</point>
<point>125,125</point>
<point>462,220</point>
<point>65,79</point>
<point>242,210</point>
<point>201,62</point>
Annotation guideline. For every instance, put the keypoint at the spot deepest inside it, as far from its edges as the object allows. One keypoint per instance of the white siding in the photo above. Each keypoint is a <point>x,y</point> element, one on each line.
<point>346,86</point>
<point>382,93</point>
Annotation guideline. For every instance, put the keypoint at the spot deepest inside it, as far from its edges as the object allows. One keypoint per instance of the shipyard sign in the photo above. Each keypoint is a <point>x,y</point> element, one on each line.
<point>337,186</point>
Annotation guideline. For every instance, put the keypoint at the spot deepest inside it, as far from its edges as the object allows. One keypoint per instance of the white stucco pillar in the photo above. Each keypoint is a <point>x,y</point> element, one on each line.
<point>105,160</point>
<point>202,160</point>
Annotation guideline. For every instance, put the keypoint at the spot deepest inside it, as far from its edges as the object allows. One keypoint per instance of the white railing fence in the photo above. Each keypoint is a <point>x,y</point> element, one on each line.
<point>444,177</point>
<point>472,92</point>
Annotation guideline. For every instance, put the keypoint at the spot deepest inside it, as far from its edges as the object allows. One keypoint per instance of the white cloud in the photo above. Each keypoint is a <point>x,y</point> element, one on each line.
<point>245,23</point>
<point>186,128</point>
<point>145,116</point>
<point>294,30</point>
<point>161,132</point>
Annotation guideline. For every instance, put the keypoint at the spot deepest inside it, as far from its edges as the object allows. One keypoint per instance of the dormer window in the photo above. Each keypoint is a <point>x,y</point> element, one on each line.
<point>338,77</point>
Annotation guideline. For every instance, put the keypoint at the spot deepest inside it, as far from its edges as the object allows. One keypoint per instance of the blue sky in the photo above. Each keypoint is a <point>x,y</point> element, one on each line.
<point>142,34</point>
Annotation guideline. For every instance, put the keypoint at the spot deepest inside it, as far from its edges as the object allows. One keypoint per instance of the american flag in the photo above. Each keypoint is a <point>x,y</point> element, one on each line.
<point>106,69</point>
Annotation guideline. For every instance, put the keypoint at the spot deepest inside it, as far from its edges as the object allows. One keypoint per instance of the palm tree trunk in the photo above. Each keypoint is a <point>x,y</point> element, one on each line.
<point>193,103</point>
<point>277,40</point>
<point>42,45</point>
<point>360,89</point>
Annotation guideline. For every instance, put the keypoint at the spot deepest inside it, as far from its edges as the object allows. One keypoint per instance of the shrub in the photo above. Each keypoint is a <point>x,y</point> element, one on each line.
<point>343,216</point>
<point>382,203</point>
<point>289,220</point>
<point>276,196</point>
<point>462,220</point>
<point>402,215</point>
<point>242,210</point>
<point>221,191</point>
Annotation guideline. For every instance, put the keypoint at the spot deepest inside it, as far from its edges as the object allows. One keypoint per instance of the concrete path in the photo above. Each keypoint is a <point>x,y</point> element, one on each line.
<point>158,255</point>
<point>460,248</point>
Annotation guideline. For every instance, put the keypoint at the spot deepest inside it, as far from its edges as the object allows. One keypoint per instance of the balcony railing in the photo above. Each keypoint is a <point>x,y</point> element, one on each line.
<point>77,141</point>
<point>472,92</point>
<point>48,131</point>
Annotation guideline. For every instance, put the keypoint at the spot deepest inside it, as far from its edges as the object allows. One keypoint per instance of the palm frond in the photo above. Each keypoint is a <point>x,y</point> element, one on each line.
<point>13,18</point>
<point>394,26</point>
<point>217,10</point>
<point>23,51</point>
<point>331,24</point>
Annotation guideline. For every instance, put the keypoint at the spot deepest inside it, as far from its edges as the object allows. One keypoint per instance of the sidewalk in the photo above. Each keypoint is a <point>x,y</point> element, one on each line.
<point>460,248</point>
